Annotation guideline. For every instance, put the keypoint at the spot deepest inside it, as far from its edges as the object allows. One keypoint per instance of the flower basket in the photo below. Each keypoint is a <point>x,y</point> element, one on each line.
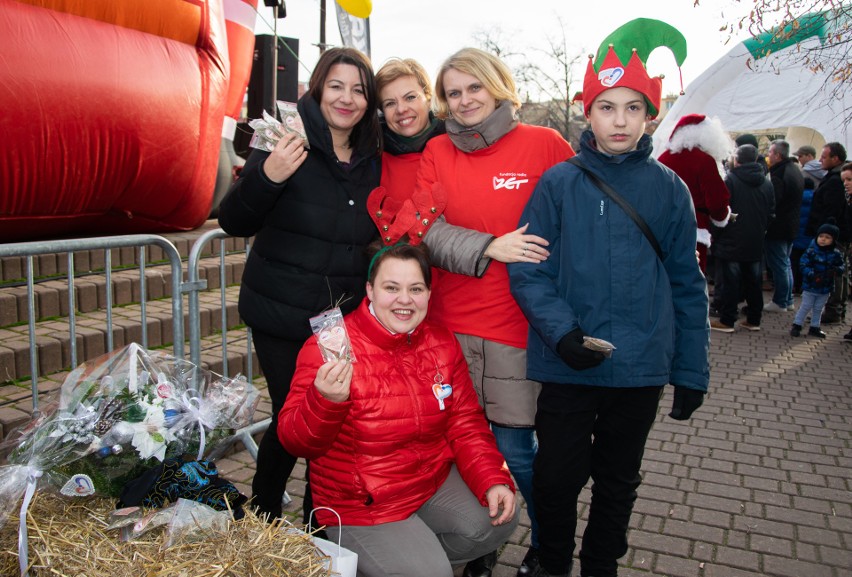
<point>118,415</point>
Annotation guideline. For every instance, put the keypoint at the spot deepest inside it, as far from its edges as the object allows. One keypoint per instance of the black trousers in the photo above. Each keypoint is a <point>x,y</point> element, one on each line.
<point>795,258</point>
<point>598,432</point>
<point>274,464</point>
<point>741,278</point>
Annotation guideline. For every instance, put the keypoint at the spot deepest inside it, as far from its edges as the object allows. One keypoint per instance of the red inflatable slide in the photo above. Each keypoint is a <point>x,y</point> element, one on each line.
<point>111,115</point>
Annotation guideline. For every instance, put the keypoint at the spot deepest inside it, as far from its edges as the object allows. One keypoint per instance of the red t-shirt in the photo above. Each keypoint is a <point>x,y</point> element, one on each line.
<point>399,174</point>
<point>487,191</point>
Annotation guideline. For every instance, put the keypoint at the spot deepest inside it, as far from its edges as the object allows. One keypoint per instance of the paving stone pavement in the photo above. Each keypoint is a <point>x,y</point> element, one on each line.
<point>757,483</point>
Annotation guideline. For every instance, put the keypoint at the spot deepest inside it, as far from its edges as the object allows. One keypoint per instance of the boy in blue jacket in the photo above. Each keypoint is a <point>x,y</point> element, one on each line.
<point>820,264</point>
<point>604,279</point>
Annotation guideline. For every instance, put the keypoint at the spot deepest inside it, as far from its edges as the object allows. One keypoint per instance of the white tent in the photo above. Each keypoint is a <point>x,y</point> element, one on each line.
<point>763,83</point>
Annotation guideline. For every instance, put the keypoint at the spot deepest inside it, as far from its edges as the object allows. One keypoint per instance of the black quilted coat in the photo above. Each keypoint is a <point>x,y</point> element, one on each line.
<point>310,233</point>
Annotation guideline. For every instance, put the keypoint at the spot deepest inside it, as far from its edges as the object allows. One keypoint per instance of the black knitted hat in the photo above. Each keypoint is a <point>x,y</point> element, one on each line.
<point>829,228</point>
<point>746,139</point>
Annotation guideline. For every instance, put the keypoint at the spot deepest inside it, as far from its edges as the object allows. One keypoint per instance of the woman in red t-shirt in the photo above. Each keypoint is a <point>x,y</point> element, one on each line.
<point>487,165</point>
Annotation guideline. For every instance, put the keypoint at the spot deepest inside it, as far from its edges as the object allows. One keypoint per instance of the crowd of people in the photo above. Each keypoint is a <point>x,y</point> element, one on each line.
<point>792,222</point>
<point>514,311</point>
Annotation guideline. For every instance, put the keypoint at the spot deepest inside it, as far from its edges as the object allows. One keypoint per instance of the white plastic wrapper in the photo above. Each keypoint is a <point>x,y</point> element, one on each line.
<point>332,338</point>
<point>268,130</point>
<point>119,415</point>
<point>291,121</point>
<point>193,521</point>
<point>599,345</point>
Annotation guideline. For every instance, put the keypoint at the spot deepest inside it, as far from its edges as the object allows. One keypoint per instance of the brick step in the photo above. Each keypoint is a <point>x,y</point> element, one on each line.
<point>53,336</point>
<point>50,297</point>
<point>16,402</point>
<point>13,270</point>
<point>213,357</point>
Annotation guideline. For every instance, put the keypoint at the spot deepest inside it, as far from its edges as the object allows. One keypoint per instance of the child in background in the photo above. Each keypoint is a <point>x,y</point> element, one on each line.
<point>819,265</point>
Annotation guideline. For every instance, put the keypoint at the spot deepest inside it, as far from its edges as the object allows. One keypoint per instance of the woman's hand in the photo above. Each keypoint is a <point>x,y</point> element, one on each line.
<point>287,156</point>
<point>501,504</point>
<point>516,246</point>
<point>333,380</point>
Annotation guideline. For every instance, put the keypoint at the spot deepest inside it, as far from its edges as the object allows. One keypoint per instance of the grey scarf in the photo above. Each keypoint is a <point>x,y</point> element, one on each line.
<point>472,138</point>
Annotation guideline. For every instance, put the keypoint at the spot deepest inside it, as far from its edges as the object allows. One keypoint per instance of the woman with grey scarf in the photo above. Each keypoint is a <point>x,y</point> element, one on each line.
<point>487,166</point>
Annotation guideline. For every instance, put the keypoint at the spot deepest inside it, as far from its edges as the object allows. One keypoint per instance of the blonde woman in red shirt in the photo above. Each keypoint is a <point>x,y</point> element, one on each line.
<point>487,165</point>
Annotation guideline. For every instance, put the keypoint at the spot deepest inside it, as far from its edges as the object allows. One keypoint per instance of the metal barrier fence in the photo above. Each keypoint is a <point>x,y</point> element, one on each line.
<point>192,287</point>
<point>195,284</point>
<point>138,241</point>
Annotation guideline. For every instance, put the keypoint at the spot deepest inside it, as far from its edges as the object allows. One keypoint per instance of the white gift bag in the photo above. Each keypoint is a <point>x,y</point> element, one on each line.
<point>343,561</point>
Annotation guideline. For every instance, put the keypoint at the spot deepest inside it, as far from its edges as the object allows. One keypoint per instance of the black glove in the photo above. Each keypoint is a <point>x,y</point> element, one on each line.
<point>575,355</point>
<point>685,402</point>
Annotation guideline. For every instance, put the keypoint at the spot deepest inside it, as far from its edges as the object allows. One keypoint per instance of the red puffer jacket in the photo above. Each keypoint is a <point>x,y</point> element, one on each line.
<point>379,456</point>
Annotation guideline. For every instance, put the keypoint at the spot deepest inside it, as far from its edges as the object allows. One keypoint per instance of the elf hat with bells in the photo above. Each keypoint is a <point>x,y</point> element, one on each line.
<point>632,43</point>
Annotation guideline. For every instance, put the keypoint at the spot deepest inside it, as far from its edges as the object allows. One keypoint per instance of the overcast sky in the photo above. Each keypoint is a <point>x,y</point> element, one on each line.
<point>431,30</point>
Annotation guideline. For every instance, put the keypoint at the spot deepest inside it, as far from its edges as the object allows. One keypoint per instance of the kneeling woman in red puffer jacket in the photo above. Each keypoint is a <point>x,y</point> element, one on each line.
<point>397,441</point>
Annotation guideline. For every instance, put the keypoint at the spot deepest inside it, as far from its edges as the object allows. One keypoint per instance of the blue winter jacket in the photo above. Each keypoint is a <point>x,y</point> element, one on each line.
<point>604,277</point>
<point>819,266</point>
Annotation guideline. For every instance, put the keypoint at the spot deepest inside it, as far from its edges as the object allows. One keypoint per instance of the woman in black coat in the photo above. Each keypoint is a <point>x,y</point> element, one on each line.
<point>307,209</point>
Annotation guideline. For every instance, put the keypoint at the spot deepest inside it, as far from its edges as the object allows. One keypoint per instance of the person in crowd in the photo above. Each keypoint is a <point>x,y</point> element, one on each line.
<point>716,271</point>
<point>308,212</point>
<point>789,185</point>
<point>738,247</point>
<point>809,164</point>
<point>830,202</point>
<point>802,241</point>
<point>604,279</point>
<point>651,127</point>
<point>486,167</point>
<point>405,99</point>
<point>846,178</point>
<point>695,152</point>
<point>820,264</point>
<point>396,438</point>
<point>748,138</point>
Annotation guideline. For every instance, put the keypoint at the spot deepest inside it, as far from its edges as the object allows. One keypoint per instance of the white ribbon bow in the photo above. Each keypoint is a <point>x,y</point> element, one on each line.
<point>33,475</point>
<point>203,413</point>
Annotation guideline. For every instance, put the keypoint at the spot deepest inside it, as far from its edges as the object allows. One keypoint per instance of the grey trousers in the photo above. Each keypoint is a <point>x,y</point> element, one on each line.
<point>449,529</point>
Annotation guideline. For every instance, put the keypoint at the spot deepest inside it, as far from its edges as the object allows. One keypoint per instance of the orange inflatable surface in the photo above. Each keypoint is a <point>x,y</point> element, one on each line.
<point>110,115</point>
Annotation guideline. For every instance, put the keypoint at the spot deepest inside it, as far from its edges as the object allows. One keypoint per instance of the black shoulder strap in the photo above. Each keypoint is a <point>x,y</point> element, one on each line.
<point>619,200</point>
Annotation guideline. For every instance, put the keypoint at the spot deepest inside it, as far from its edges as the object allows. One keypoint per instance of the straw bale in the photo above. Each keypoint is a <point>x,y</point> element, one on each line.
<point>69,538</point>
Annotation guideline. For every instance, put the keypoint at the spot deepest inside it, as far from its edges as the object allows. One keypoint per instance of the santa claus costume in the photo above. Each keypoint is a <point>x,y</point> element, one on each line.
<point>695,151</point>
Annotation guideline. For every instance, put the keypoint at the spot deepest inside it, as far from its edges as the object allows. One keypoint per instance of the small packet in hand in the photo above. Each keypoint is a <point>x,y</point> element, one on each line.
<point>291,121</point>
<point>599,345</point>
<point>267,132</point>
<point>332,337</point>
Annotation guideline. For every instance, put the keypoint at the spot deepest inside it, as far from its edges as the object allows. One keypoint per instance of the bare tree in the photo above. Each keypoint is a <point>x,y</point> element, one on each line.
<point>550,75</point>
<point>780,23</point>
<point>545,77</point>
<point>494,40</point>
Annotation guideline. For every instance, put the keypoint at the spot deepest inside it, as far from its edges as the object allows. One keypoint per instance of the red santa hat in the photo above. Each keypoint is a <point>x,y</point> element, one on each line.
<point>631,43</point>
<point>705,133</point>
<point>688,120</point>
